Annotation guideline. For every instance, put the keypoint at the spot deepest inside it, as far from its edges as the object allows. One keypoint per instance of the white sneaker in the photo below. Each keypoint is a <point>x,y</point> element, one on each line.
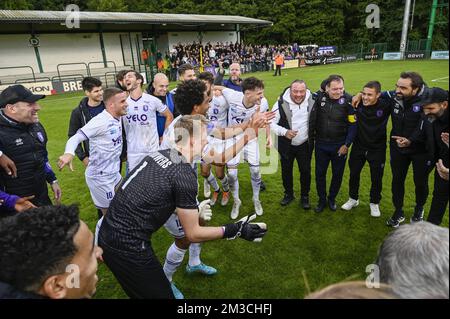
<point>206,189</point>
<point>350,204</point>
<point>258,207</point>
<point>375,210</point>
<point>235,210</point>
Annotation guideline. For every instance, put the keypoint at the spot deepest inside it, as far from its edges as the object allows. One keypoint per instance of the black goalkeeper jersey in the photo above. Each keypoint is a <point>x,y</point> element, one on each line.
<point>371,125</point>
<point>146,199</point>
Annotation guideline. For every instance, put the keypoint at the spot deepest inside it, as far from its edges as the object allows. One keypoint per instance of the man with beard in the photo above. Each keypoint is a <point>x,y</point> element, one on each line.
<point>140,122</point>
<point>435,108</point>
<point>408,144</point>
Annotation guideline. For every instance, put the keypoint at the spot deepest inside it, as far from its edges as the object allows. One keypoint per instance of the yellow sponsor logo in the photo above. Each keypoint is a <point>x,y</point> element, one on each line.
<point>352,118</point>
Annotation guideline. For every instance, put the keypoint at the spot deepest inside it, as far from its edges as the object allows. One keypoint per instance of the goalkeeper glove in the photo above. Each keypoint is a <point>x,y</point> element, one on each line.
<point>246,230</point>
<point>204,210</point>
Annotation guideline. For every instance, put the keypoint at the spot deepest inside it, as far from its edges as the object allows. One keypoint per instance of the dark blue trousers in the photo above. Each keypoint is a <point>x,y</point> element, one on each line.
<point>326,153</point>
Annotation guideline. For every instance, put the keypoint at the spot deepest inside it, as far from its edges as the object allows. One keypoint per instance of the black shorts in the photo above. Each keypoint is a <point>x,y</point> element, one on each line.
<point>140,274</point>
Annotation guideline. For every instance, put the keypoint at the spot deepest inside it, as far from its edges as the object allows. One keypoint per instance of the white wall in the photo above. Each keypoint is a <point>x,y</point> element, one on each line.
<point>211,36</point>
<point>14,51</point>
<point>69,48</point>
<point>85,47</point>
<point>62,48</point>
<point>112,49</point>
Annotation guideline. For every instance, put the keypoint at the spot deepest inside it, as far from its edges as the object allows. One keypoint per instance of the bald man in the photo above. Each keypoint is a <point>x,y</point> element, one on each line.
<point>159,88</point>
<point>234,81</point>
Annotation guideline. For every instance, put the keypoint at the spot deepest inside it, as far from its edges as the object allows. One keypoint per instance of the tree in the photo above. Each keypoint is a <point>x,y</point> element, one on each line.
<point>107,5</point>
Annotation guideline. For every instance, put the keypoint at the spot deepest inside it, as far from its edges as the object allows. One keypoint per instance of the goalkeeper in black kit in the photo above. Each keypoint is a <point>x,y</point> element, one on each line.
<point>162,182</point>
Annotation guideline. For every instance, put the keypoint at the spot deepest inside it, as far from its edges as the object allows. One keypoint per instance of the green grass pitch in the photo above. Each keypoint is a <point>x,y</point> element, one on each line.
<point>302,251</point>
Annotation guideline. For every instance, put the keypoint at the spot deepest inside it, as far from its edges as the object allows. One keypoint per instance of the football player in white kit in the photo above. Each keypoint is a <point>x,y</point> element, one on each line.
<point>218,116</point>
<point>242,105</point>
<point>105,146</point>
<point>140,122</point>
<point>194,97</point>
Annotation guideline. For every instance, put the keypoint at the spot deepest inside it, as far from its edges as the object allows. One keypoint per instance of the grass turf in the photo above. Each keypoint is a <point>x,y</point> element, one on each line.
<point>302,251</point>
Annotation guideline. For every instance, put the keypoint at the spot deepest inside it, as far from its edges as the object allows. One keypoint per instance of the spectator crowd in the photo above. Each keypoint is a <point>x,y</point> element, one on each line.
<point>252,58</point>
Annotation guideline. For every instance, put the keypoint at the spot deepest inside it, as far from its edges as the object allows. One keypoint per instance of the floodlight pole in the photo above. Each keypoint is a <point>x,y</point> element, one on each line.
<point>405,29</point>
<point>431,27</point>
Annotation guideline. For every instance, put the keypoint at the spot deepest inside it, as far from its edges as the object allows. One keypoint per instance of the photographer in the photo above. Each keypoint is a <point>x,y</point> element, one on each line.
<point>234,81</point>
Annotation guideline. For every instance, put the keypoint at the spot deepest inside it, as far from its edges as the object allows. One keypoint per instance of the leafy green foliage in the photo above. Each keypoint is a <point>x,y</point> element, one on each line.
<point>334,22</point>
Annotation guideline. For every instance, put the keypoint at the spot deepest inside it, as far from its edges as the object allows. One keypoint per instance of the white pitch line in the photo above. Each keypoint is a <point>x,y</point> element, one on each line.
<point>439,79</point>
<point>62,99</point>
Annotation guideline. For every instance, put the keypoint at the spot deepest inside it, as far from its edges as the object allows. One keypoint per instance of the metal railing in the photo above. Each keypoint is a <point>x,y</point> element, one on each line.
<point>74,63</point>
<point>100,62</point>
<point>31,80</point>
<point>20,67</point>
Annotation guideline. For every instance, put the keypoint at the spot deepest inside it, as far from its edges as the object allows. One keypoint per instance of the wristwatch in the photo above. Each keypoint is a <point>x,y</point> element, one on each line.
<point>54,182</point>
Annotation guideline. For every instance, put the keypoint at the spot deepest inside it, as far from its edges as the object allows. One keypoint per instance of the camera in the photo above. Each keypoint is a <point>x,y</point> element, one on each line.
<point>227,61</point>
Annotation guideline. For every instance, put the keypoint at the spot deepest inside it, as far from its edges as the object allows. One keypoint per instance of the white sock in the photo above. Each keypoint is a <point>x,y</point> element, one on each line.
<point>225,185</point>
<point>234,182</point>
<point>255,176</point>
<point>194,254</point>
<point>213,182</point>
<point>174,258</point>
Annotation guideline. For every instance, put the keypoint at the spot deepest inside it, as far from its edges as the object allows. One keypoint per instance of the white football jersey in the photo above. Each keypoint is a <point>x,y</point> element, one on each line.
<point>169,138</point>
<point>140,127</point>
<point>169,135</point>
<point>105,144</point>
<point>238,113</point>
<point>218,112</point>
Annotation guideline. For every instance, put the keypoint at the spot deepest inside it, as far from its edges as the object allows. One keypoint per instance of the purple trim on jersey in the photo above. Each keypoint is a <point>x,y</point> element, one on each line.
<point>9,201</point>
<point>81,131</point>
<point>137,99</point>
<point>49,172</point>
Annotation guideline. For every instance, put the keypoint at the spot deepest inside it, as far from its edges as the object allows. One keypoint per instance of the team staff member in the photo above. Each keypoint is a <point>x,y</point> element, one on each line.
<point>408,144</point>
<point>10,204</point>
<point>369,145</point>
<point>334,127</point>
<point>159,89</point>
<point>8,165</point>
<point>89,107</point>
<point>435,107</point>
<point>24,141</point>
<point>140,208</point>
<point>291,124</point>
